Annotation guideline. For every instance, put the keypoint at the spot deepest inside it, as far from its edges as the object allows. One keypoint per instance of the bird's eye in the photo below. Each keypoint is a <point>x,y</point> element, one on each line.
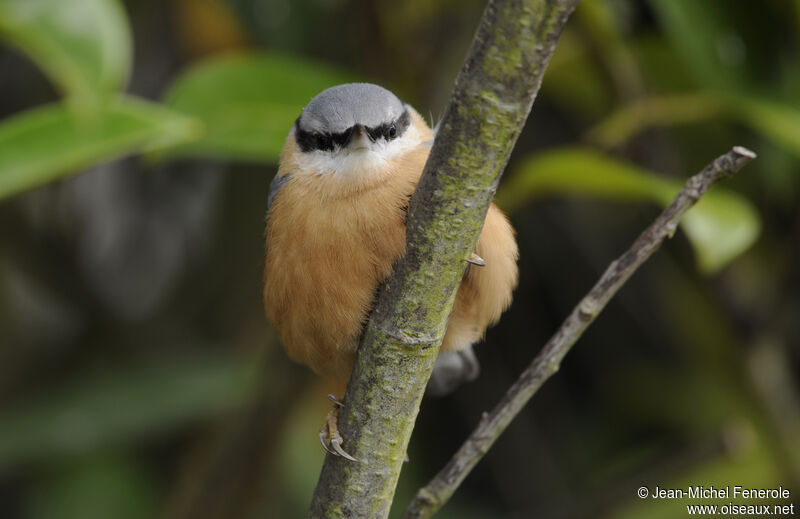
<point>392,132</point>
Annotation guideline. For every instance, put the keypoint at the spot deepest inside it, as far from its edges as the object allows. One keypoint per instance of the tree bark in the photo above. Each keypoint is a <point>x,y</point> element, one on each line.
<point>490,102</point>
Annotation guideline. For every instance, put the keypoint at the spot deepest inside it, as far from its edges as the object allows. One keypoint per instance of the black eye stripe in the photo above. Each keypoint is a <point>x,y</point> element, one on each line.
<point>310,141</point>
<point>385,130</point>
<point>306,141</point>
<point>340,139</point>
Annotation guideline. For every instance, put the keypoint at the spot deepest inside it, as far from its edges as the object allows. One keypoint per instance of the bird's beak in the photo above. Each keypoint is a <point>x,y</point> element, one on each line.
<point>359,138</point>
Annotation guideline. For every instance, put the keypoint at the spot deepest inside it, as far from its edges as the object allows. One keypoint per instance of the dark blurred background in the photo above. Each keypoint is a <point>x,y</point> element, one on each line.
<point>138,377</point>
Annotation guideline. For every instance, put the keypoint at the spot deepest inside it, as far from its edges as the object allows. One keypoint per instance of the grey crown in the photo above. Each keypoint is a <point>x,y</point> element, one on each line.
<point>339,108</point>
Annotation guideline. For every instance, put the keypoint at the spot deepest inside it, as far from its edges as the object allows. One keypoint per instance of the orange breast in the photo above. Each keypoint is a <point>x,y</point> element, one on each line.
<point>327,253</point>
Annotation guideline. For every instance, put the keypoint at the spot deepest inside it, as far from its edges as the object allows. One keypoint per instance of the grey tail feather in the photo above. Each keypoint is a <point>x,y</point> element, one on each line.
<point>452,369</point>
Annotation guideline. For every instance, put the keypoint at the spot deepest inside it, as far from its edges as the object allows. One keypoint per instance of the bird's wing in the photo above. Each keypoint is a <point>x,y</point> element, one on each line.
<point>277,183</point>
<point>274,187</point>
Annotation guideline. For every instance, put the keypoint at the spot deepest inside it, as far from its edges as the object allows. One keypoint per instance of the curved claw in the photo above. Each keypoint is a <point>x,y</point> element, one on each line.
<point>329,435</point>
<point>323,439</point>
<point>476,260</point>
<point>336,443</point>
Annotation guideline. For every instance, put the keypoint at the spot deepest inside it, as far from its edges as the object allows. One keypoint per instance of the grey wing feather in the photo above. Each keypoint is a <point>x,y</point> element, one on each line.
<point>277,183</point>
<point>274,186</point>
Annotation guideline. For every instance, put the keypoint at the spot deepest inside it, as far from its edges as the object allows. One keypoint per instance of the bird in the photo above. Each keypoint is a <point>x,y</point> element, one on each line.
<point>336,225</point>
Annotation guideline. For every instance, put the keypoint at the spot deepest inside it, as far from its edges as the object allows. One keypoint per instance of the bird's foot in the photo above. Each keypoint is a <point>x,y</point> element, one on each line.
<point>329,435</point>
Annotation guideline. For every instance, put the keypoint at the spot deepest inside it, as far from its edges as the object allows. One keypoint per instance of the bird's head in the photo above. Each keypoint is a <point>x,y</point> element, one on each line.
<point>355,129</point>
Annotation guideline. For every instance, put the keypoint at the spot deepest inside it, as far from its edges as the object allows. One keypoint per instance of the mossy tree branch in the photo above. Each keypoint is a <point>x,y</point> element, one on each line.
<point>430,498</point>
<point>490,102</point>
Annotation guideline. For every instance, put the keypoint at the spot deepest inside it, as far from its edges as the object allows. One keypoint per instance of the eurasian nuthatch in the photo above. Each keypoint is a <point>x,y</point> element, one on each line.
<point>336,223</point>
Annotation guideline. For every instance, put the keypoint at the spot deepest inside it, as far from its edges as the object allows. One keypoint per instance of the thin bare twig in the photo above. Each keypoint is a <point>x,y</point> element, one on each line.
<point>433,496</point>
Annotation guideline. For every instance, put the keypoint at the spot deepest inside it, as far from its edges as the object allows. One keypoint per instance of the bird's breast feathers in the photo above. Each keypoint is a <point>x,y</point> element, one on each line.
<point>332,238</point>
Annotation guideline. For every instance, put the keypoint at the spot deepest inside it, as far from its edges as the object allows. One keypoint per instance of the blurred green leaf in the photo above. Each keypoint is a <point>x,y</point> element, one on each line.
<point>655,111</point>
<point>95,487</point>
<point>779,122</point>
<point>583,172</point>
<point>83,45</point>
<point>115,407</point>
<point>51,142</point>
<point>720,227</point>
<point>248,102</point>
